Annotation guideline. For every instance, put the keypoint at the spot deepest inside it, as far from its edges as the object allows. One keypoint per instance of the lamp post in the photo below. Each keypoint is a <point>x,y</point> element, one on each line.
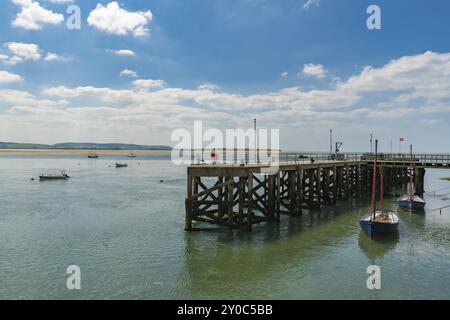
<point>256,140</point>
<point>331,142</point>
<point>371,143</point>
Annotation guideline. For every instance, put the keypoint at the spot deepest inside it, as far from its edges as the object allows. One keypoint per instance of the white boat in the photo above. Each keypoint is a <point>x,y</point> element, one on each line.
<point>55,176</point>
<point>131,154</point>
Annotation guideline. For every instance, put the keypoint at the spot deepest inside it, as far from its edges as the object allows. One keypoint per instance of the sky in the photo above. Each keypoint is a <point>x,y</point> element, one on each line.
<point>137,70</point>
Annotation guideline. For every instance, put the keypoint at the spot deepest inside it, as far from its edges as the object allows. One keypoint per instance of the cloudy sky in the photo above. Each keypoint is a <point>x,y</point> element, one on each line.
<point>137,70</point>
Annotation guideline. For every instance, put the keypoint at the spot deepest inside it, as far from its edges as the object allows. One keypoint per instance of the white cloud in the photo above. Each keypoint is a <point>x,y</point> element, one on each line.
<point>149,84</point>
<point>122,52</point>
<point>399,92</point>
<point>53,57</point>
<point>115,20</point>
<point>61,1</point>
<point>310,3</point>
<point>21,52</point>
<point>284,74</point>
<point>129,73</point>
<point>13,60</point>
<point>208,86</point>
<point>26,51</point>
<point>314,70</point>
<point>32,16</point>
<point>6,77</point>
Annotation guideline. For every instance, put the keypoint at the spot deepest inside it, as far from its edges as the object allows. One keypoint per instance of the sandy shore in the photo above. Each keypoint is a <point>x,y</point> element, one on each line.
<point>82,152</point>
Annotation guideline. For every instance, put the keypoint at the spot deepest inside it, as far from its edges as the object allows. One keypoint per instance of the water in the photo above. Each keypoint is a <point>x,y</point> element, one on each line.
<point>124,229</point>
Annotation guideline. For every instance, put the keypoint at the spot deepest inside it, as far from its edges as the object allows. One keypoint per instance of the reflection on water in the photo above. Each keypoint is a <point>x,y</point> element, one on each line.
<point>378,246</point>
<point>124,228</point>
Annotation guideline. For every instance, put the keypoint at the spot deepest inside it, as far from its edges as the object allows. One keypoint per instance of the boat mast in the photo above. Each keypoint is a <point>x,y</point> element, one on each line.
<point>374,180</point>
<point>411,174</point>
<point>381,188</point>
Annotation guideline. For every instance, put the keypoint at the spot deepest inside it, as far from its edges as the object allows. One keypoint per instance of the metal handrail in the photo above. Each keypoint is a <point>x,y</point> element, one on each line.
<point>247,156</point>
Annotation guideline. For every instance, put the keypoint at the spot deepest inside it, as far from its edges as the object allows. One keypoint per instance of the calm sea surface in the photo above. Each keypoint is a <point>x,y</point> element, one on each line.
<point>124,229</point>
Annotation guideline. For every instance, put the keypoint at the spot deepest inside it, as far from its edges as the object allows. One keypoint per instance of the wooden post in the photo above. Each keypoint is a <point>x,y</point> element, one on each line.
<point>319,185</point>
<point>278,200</point>
<point>220,195</point>
<point>341,183</point>
<point>241,202</point>
<point>334,184</point>
<point>326,190</point>
<point>271,197</point>
<point>292,191</point>
<point>230,204</point>
<point>311,187</point>
<point>358,179</point>
<point>188,205</point>
<point>300,189</point>
<point>348,177</point>
<point>250,201</point>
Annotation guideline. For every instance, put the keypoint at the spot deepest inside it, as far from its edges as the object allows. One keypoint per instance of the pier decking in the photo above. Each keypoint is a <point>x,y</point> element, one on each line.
<point>239,195</point>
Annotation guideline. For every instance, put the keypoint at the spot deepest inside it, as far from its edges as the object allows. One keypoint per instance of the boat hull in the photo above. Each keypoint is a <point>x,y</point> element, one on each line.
<point>411,205</point>
<point>47,178</point>
<point>378,228</point>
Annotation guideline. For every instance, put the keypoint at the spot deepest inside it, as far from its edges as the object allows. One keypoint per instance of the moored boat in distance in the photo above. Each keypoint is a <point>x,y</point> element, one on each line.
<point>121,165</point>
<point>379,221</point>
<point>55,176</point>
<point>131,154</point>
<point>411,202</point>
<point>93,154</point>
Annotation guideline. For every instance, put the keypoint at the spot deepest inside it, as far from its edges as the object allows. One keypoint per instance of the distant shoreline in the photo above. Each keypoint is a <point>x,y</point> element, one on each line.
<point>82,152</point>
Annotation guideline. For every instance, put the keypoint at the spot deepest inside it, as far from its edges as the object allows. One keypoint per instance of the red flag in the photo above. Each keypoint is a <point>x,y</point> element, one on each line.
<point>402,139</point>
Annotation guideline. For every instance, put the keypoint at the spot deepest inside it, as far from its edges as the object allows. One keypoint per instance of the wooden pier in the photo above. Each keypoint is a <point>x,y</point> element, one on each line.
<point>238,196</point>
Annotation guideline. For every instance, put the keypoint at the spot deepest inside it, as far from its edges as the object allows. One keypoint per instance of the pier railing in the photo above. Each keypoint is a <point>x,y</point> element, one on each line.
<point>248,156</point>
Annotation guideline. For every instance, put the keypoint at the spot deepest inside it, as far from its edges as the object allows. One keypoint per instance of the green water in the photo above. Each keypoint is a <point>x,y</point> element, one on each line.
<point>124,229</point>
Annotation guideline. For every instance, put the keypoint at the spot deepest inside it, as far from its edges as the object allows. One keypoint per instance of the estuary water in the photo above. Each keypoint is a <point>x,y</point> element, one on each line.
<point>124,229</point>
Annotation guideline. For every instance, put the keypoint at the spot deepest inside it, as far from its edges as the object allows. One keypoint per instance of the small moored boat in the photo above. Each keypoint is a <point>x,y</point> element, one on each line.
<point>411,202</point>
<point>93,154</point>
<point>121,165</point>
<point>55,176</point>
<point>379,221</point>
<point>131,154</point>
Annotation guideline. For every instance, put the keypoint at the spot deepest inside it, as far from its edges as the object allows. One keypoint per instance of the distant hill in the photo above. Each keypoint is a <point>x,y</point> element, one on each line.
<point>81,146</point>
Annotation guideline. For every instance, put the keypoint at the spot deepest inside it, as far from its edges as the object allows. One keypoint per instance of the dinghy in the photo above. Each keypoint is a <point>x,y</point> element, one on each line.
<point>379,221</point>
<point>411,202</point>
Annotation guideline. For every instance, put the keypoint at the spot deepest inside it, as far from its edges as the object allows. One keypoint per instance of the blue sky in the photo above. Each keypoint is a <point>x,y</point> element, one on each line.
<point>302,70</point>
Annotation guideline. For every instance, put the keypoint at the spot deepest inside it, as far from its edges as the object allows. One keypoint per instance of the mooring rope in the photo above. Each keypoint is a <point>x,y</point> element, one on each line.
<point>439,209</point>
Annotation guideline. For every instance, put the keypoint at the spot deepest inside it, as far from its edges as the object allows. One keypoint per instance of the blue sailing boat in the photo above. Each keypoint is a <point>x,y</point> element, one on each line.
<point>411,202</point>
<point>379,221</point>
